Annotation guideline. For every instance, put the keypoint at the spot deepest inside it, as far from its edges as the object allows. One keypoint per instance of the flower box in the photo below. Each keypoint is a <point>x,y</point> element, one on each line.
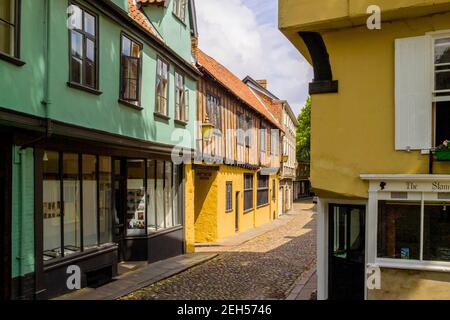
<point>443,155</point>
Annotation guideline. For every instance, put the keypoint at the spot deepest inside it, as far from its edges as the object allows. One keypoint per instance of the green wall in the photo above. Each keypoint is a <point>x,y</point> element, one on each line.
<point>26,85</point>
<point>122,4</point>
<point>176,34</point>
<point>22,88</point>
<point>22,212</point>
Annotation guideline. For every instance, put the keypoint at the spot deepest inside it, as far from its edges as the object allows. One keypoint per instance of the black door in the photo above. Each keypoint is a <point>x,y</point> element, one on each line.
<point>236,213</point>
<point>346,252</point>
<point>119,204</point>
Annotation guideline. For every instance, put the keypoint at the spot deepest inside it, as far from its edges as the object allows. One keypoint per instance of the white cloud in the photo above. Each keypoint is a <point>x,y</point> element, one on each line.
<point>245,42</point>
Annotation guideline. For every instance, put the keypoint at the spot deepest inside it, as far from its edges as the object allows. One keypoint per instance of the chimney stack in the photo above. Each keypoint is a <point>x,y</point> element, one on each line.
<point>262,83</point>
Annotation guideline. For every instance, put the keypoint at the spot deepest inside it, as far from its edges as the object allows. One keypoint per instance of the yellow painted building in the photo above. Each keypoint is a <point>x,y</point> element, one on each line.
<point>238,157</point>
<point>380,107</point>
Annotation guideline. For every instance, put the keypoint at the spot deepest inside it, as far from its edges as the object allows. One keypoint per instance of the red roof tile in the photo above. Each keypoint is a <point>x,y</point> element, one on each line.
<point>235,85</point>
<point>141,19</point>
<point>158,2</point>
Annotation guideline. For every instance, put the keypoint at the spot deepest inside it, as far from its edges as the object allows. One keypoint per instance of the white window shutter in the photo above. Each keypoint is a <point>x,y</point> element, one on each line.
<point>413,93</point>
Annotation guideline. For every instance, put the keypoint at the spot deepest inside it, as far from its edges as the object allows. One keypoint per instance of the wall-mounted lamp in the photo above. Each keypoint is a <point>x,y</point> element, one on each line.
<point>207,128</point>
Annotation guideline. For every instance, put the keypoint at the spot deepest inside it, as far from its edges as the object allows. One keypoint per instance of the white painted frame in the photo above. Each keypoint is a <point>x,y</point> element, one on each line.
<point>376,194</point>
<point>441,34</point>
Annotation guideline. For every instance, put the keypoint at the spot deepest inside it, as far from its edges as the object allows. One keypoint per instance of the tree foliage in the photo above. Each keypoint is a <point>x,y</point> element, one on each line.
<point>304,133</point>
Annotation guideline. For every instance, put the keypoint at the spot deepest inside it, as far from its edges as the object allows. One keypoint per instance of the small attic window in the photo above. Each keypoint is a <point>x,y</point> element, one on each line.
<point>179,9</point>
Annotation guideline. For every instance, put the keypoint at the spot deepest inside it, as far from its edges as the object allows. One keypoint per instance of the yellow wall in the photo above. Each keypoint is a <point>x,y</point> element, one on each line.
<point>212,222</point>
<point>353,130</point>
<point>412,285</point>
<point>189,208</point>
<point>322,15</point>
<point>206,207</point>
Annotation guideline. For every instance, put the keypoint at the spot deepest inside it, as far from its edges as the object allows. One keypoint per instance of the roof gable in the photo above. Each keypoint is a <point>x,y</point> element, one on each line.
<point>235,85</point>
<point>141,18</point>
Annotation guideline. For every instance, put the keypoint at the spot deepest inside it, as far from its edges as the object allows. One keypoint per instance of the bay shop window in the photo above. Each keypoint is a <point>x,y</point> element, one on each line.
<point>76,203</point>
<point>153,196</point>
<point>414,231</point>
<point>422,91</point>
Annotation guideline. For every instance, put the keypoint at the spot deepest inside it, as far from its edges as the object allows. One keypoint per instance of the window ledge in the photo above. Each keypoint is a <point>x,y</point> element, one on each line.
<point>263,205</point>
<point>11,59</point>
<point>161,116</point>
<point>248,210</point>
<point>229,211</point>
<point>153,234</point>
<point>130,105</point>
<point>83,88</point>
<point>58,262</point>
<point>181,122</point>
<point>434,266</point>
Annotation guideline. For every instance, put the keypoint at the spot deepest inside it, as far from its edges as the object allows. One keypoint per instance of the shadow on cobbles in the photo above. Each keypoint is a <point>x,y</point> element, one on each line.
<point>262,268</point>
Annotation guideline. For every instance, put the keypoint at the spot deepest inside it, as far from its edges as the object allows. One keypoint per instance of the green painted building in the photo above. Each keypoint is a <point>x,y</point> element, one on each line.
<point>93,97</point>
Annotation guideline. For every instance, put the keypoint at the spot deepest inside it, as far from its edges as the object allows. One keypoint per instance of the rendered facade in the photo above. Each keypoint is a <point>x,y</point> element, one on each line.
<point>238,156</point>
<point>379,122</point>
<point>285,116</point>
<point>91,93</point>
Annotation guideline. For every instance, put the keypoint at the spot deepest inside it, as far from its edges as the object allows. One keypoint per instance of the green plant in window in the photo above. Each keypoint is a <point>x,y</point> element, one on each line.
<point>443,151</point>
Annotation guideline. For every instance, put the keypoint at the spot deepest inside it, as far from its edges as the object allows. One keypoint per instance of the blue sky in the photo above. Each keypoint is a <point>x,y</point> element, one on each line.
<point>243,35</point>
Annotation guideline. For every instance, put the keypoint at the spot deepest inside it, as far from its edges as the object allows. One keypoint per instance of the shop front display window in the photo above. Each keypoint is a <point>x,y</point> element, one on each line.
<point>71,196</point>
<point>399,230</point>
<point>436,233</point>
<point>105,199</point>
<point>89,167</point>
<point>51,206</point>
<point>75,198</point>
<point>164,195</point>
<point>136,198</point>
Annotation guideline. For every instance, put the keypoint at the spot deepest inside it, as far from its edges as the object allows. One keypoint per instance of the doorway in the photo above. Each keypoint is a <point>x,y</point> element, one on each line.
<point>236,213</point>
<point>346,252</point>
<point>119,180</point>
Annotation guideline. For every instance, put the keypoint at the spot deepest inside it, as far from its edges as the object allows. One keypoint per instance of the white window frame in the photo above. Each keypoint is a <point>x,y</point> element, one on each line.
<point>179,9</point>
<point>375,195</point>
<point>443,34</point>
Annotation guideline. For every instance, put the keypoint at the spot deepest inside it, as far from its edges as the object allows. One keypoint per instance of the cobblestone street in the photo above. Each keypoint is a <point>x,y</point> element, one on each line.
<point>266,267</point>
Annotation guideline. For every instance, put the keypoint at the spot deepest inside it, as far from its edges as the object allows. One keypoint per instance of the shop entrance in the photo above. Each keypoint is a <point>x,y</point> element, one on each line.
<point>119,204</point>
<point>346,252</point>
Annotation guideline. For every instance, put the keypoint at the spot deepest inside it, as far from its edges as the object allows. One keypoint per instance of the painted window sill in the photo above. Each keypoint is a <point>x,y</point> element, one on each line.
<point>161,116</point>
<point>262,206</point>
<point>181,122</point>
<point>229,211</point>
<point>248,211</point>
<point>130,105</point>
<point>153,234</point>
<point>11,59</point>
<point>58,262</point>
<point>434,266</point>
<point>83,88</point>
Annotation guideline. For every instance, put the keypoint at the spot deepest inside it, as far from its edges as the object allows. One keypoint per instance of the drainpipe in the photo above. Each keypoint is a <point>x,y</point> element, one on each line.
<point>46,101</point>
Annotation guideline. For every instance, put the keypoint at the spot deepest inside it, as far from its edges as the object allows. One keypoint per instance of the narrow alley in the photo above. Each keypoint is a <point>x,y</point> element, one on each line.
<point>265,267</point>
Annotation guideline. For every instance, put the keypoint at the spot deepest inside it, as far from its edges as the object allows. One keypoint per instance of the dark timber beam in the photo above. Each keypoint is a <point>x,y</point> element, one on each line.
<point>323,77</point>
